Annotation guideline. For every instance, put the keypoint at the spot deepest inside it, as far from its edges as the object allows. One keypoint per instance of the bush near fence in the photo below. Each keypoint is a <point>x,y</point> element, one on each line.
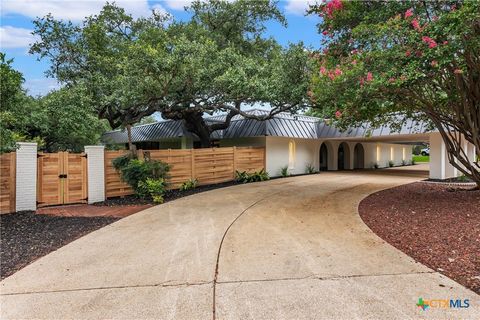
<point>208,166</point>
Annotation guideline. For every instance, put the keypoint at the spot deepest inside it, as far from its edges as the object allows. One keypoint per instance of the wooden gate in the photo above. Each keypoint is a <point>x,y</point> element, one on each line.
<point>62,178</point>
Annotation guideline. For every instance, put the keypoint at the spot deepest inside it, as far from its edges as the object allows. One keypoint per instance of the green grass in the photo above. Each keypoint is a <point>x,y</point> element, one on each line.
<point>421,158</point>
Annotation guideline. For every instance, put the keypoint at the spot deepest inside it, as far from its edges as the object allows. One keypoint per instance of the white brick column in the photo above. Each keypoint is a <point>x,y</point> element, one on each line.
<point>26,176</point>
<point>95,173</point>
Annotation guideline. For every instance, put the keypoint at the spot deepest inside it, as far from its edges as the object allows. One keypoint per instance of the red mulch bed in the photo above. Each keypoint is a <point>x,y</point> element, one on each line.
<point>433,223</point>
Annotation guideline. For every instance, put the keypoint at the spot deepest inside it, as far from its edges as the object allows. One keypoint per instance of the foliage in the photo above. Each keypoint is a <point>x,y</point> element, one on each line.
<point>310,168</point>
<point>152,188</point>
<point>284,171</point>
<point>189,185</point>
<point>216,62</point>
<point>11,95</point>
<point>405,58</point>
<point>391,163</point>
<point>245,177</point>
<point>61,120</point>
<point>133,171</point>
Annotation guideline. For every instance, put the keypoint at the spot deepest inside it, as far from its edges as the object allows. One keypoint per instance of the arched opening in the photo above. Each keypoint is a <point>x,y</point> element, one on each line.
<point>343,156</point>
<point>358,156</point>
<point>323,160</point>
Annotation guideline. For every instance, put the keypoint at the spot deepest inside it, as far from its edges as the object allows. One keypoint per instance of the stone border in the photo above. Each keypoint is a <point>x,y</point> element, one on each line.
<point>453,184</point>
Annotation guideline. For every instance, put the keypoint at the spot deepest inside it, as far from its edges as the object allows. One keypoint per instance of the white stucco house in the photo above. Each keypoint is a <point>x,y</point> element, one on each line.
<point>297,141</point>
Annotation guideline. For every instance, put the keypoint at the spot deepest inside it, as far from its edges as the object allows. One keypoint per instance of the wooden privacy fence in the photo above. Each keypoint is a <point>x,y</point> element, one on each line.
<point>208,166</point>
<point>7,182</point>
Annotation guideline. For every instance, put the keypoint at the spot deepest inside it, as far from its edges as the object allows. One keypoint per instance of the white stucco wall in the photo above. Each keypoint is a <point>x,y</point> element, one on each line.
<point>306,152</point>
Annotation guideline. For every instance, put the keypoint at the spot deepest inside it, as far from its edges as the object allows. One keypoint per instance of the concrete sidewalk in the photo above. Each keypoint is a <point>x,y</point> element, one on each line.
<point>282,249</point>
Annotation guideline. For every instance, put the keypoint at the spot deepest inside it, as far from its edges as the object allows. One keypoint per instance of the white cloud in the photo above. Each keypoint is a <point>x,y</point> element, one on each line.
<point>177,4</point>
<point>298,7</point>
<point>40,86</point>
<point>13,37</point>
<point>75,10</point>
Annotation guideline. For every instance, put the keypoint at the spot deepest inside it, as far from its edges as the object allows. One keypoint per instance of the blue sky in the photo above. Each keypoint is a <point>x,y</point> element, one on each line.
<point>17,15</point>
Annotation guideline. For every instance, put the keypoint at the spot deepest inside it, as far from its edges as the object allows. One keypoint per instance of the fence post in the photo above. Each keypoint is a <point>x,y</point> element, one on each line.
<point>26,176</point>
<point>95,173</point>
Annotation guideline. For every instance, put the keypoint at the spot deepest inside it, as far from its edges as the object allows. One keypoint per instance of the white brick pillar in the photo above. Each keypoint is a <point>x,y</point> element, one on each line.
<point>26,176</point>
<point>95,173</point>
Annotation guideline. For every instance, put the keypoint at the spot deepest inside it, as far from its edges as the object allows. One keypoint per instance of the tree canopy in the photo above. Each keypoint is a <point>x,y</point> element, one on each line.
<point>216,62</point>
<point>413,58</point>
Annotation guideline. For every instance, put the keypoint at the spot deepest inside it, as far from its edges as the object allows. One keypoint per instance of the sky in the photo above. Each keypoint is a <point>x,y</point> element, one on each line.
<point>17,15</point>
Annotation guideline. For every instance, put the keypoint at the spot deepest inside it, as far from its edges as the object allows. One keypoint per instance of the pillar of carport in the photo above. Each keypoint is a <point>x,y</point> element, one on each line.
<point>440,167</point>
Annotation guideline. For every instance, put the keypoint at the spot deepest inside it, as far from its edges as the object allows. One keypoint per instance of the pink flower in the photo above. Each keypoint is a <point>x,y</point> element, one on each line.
<point>434,63</point>
<point>325,32</point>
<point>323,70</point>
<point>331,76</point>
<point>458,71</point>
<point>416,25</point>
<point>362,81</point>
<point>332,6</point>
<point>354,51</point>
<point>408,53</point>
<point>418,53</point>
<point>369,76</point>
<point>338,114</point>
<point>391,80</point>
<point>430,41</point>
<point>445,42</point>
<point>354,62</point>
<point>453,8</point>
<point>338,72</point>
<point>409,13</point>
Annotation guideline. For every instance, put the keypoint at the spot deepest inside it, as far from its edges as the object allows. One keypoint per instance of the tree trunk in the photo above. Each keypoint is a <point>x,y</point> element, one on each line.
<point>131,146</point>
<point>195,123</point>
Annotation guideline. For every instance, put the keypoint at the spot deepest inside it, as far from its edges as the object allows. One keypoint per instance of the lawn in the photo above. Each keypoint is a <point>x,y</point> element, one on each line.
<point>421,158</point>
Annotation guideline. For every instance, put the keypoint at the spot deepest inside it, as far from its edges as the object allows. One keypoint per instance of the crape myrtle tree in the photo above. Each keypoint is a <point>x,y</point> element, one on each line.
<point>217,62</point>
<point>418,59</point>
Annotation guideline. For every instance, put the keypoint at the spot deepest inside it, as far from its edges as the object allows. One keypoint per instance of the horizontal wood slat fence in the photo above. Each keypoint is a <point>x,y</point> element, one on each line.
<point>208,166</point>
<point>7,182</point>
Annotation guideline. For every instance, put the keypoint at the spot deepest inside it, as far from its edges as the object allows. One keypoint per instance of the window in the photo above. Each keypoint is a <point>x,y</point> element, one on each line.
<point>291,154</point>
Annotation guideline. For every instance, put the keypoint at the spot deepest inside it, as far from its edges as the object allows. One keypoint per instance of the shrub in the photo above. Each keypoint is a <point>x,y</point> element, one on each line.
<point>391,163</point>
<point>245,177</point>
<point>413,161</point>
<point>310,168</point>
<point>133,171</point>
<point>284,171</point>
<point>152,188</point>
<point>188,185</point>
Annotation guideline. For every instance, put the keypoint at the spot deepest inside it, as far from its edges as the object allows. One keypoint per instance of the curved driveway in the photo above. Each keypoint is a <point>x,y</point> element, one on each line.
<point>291,248</point>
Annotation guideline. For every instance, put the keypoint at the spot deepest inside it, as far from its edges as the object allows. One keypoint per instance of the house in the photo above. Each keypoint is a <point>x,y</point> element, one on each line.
<point>297,141</point>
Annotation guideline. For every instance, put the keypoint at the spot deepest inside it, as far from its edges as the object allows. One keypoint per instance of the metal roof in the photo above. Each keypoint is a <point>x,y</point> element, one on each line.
<point>281,125</point>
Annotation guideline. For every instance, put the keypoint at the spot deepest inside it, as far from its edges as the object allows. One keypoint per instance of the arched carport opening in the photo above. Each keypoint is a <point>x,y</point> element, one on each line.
<point>343,156</point>
<point>358,156</point>
<point>323,159</point>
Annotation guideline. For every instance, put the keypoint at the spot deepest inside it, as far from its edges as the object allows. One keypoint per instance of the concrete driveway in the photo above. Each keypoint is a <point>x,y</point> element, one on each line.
<point>291,248</point>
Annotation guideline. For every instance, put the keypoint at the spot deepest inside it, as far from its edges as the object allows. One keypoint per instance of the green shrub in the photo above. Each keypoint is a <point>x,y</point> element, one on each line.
<point>152,188</point>
<point>310,168</point>
<point>391,163</point>
<point>133,171</point>
<point>188,185</point>
<point>284,171</point>
<point>245,177</point>
<point>413,161</point>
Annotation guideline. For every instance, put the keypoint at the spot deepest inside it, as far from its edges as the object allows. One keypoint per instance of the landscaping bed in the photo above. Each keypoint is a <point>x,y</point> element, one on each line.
<point>26,236</point>
<point>433,223</point>
<point>168,196</point>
